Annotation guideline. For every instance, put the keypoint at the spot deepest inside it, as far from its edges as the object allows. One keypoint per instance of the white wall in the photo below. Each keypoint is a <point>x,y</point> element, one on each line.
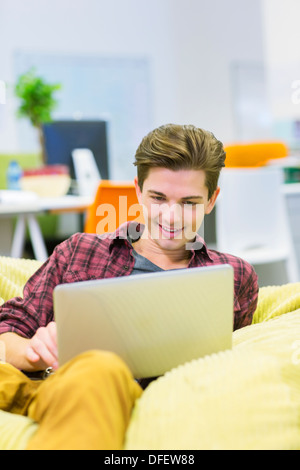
<point>209,36</point>
<point>281,38</point>
<point>191,45</point>
<point>282,55</point>
<point>281,31</point>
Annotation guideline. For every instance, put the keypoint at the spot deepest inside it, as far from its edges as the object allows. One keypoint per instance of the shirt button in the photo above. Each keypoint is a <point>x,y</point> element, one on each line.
<point>126,267</point>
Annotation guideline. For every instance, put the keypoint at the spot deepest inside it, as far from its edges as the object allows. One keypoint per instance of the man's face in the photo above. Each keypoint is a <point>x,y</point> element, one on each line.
<point>174,204</point>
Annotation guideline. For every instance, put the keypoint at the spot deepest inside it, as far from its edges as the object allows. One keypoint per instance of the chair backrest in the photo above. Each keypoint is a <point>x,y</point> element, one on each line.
<point>115,203</point>
<point>254,154</point>
<point>250,211</point>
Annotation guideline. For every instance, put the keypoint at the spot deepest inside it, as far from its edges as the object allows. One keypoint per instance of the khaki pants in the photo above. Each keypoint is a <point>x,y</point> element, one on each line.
<point>86,404</point>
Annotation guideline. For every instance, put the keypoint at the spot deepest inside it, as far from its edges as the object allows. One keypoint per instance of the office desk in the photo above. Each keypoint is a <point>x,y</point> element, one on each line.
<point>26,213</point>
<point>290,189</point>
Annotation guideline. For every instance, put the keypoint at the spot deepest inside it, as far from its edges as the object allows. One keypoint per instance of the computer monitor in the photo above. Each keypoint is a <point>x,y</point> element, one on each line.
<point>62,137</point>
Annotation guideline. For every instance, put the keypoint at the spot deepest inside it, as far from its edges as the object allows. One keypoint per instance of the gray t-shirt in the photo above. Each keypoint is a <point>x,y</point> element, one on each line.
<point>143,265</point>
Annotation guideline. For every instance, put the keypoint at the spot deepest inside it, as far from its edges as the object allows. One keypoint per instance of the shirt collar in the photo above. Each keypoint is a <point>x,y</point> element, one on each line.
<point>132,231</point>
<point>199,248</point>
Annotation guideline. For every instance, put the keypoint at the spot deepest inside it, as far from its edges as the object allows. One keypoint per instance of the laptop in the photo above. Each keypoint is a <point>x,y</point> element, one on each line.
<point>154,322</point>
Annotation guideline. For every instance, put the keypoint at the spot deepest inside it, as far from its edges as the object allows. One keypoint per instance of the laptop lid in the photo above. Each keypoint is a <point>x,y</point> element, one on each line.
<point>154,322</point>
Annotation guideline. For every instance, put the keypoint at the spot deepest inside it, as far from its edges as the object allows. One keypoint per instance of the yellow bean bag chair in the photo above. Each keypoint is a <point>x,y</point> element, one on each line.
<point>247,398</point>
<point>244,398</point>
<point>15,430</point>
<point>13,275</point>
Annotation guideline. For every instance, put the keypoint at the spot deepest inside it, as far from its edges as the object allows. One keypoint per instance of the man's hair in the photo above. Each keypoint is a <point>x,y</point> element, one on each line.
<point>177,147</point>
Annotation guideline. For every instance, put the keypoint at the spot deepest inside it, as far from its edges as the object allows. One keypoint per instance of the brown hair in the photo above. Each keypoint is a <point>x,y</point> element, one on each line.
<point>179,147</point>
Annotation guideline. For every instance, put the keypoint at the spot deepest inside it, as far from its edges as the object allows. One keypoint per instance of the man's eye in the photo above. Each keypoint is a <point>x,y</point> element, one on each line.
<point>190,203</point>
<point>158,198</point>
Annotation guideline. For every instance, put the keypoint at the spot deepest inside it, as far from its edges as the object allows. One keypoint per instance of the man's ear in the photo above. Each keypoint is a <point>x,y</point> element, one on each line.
<point>138,190</point>
<point>212,201</point>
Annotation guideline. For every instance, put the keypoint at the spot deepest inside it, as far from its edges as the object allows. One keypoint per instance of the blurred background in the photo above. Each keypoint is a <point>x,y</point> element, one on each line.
<point>226,66</point>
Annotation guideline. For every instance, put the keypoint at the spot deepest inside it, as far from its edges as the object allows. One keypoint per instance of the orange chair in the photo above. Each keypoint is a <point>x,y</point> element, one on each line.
<point>114,204</point>
<point>254,154</point>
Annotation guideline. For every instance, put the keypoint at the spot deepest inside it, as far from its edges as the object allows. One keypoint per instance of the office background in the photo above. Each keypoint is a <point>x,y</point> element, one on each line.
<point>225,66</point>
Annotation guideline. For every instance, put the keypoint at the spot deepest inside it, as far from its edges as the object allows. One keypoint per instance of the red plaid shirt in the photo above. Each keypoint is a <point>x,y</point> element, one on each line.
<point>84,257</point>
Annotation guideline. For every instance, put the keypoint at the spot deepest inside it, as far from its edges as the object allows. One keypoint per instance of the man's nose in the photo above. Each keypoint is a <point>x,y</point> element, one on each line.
<point>172,214</point>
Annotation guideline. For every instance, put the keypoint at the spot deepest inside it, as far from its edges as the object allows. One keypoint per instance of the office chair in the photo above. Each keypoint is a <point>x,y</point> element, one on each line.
<point>114,204</point>
<point>254,154</point>
<point>251,218</point>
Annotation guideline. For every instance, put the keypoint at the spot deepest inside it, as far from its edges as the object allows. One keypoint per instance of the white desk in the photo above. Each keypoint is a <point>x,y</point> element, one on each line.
<point>290,189</point>
<point>27,212</point>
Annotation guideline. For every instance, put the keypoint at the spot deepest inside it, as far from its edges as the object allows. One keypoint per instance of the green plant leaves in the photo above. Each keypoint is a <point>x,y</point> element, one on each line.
<point>37,98</point>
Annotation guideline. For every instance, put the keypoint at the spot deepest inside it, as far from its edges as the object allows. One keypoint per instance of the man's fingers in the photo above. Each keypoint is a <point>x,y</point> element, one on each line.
<point>40,348</point>
<point>43,344</point>
<point>53,333</point>
<point>31,355</point>
<point>48,337</point>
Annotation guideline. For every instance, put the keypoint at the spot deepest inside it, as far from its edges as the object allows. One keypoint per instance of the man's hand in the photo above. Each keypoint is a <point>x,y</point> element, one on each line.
<point>42,348</point>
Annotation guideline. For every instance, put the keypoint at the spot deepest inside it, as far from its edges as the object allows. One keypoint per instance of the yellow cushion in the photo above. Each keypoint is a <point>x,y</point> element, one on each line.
<point>15,431</point>
<point>274,301</point>
<point>14,273</point>
<point>246,398</point>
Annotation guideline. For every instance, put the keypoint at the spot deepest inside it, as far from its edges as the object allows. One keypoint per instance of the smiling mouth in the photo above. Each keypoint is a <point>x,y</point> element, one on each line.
<point>171,232</point>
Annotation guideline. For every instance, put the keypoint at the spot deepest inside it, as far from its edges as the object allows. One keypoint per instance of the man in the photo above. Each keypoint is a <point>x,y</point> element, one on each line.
<point>177,183</point>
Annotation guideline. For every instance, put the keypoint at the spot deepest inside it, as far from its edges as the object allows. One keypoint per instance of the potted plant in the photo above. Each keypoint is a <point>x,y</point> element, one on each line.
<point>37,102</point>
